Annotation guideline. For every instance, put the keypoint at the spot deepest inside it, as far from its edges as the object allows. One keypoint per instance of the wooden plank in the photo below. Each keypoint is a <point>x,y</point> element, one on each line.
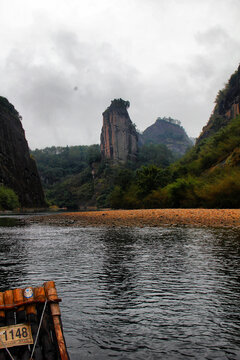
<point>51,294</point>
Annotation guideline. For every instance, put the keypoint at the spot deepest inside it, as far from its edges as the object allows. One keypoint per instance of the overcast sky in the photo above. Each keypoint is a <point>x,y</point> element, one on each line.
<point>62,62</point>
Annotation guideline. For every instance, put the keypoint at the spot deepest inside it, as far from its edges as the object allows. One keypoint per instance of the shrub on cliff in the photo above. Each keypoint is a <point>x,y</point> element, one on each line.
<point>223,191</point>
<point>156,154</point>
<point>183,193</point>
<point>149,178</point>
<point>209,152</point>
<point>120,103</point>
<point>55,164</point>
<point>220,189</point>
<point>8,199</point>
<point>116,197</point>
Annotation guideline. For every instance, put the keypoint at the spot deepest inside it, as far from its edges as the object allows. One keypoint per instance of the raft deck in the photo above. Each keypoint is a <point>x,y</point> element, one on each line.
<point>30,324</point>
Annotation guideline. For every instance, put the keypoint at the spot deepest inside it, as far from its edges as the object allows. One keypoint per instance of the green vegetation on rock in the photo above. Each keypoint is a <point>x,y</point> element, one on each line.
<point>226,108</point>
<point>8,199</point>
<point>75,177</point>
<point>168,132</point>
<point>57,163</point>
<point>208,175</point>
<point>155,154</point>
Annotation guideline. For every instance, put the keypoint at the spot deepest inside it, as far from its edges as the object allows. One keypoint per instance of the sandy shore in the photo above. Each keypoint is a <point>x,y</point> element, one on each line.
<point>142,218</point>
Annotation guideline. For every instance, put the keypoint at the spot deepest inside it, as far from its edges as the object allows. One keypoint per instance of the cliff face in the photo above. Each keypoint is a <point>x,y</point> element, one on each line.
<point>17,170</point>
<point>119,139</point>
<point>167,131</point>
<point>227,107</point>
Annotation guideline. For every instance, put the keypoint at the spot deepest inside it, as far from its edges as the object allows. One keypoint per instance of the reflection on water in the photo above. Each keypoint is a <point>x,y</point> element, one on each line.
<point>153,293</point>
<point>9,221</point>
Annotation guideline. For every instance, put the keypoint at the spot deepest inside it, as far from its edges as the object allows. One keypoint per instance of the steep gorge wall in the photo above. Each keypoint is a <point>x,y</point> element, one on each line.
<point>17,169</point>
<point>119,139</point>
<point>227,107</point>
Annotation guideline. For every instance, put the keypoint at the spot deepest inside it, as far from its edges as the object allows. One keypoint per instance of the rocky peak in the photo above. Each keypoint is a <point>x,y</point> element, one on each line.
<point>227,107</point>
<point>17,169</point>
<point>119,139</point>
<point>169,132</point>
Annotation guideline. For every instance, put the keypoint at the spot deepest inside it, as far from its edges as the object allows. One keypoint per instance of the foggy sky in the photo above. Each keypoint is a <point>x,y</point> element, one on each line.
<point>62,62</point>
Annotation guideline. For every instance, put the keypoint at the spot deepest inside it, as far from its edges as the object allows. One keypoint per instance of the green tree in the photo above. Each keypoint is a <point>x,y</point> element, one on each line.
<point>149,178</point>
<point>116,197</point>
<point>8,199</point>
<point>155,154</point>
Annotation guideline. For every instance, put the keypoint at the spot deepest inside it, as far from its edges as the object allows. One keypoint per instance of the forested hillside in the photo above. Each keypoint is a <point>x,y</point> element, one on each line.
<point>227,107</point>
<point>85,176</point>
<point>57,163</point>
<point>76,177</point>
<point>207,176</point>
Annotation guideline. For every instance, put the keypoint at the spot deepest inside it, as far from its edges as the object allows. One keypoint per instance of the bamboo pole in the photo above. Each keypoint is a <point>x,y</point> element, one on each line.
<point>18,299</point>
<point>51,294</point>
<point>48,347</point>
<point>2,312</point>
<point>31,311</point>
<point>23,352</point>
<point>2,323</point>
<point>8,300</point>
<point>10,318</point>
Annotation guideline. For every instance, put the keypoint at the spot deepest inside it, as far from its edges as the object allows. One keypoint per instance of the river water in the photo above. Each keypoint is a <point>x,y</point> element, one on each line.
<point>149,293</point>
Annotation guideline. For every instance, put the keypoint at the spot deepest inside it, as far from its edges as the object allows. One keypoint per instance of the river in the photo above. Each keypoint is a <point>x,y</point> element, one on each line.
<point>131,293</point>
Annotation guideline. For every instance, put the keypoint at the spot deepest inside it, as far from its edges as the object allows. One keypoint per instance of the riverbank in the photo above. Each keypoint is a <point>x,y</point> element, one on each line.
<point>145,217</point>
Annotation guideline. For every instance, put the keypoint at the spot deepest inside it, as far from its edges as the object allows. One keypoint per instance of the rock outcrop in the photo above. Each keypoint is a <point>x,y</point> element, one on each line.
<point>227,107</point>
<point>119,139</point>
<point>169,132</point>
<point>18,170</point>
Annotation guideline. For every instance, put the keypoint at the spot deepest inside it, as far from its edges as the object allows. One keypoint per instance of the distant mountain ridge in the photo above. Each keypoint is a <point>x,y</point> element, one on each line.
<point>120,141</point>
<point>169,132</point>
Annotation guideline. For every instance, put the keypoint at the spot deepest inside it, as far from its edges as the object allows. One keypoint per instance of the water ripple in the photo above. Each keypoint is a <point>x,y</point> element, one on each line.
<point>134,293</point>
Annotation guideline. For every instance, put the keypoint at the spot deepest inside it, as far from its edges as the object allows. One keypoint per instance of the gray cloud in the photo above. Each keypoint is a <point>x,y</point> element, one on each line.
<point>46,92</point>
<point>61,76</point>
<point>215,36</point>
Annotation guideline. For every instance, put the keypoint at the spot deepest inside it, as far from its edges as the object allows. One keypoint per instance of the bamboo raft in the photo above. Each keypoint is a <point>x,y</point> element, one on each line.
<point>30,324</point>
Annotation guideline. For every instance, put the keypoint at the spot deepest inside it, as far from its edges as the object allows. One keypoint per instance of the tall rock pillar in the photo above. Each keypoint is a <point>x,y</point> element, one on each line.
<point>119,139</point>
<point>18,170</point>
